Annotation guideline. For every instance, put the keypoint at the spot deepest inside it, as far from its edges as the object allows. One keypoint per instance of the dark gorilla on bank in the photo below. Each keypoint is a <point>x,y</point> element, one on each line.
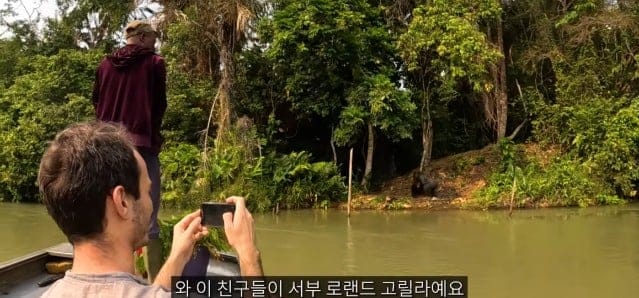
<point>422,186</point>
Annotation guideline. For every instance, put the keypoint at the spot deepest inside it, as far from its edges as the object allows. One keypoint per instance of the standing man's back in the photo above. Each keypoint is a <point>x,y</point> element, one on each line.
<point>130,88</point>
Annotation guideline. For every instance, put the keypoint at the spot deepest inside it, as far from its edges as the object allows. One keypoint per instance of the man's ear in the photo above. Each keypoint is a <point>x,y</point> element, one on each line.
<point>120,204</point>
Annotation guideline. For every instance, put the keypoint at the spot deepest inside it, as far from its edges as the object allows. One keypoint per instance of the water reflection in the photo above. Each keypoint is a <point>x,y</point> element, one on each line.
<point>26,228</point>
<point>548,253</point>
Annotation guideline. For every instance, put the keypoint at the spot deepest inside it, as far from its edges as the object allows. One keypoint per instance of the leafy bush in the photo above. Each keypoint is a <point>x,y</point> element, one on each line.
<point>298,183</point>
<point>603,134</point>
<point>180,164</point>
<point>287,181</point>
<point>52,94</point>
<point>563,182</point>
<point>616,154</point>
<point>189,103</point>
<point>268,182</point>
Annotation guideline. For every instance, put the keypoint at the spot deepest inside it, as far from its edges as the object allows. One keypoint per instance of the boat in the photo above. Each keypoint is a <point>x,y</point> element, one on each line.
<point>27,276</point>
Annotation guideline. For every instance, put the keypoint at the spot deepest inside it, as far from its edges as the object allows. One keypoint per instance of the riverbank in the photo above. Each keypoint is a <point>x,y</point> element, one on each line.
<point>460,178</point>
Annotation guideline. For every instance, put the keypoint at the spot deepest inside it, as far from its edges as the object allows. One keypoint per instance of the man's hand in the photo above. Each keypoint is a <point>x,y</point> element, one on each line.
<point>239,232</point>
<point>185,234</point>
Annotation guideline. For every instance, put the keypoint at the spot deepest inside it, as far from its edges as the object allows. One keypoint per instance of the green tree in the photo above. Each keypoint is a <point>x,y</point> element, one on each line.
<point>376,104</point>
<point>208,35</point>
<point>445,45</point>
<point>95,24</point>
<point>338,63</point>
<point>10,55</point>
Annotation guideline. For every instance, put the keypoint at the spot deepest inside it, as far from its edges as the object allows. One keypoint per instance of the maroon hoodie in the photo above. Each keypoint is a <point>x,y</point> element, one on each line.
<point>130,88</point>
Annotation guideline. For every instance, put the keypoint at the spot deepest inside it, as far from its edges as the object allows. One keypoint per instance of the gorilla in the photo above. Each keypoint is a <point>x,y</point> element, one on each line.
<point>422,185</point>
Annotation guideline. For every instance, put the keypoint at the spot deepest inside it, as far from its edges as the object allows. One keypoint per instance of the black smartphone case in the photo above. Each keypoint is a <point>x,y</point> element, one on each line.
<point>212,213</point>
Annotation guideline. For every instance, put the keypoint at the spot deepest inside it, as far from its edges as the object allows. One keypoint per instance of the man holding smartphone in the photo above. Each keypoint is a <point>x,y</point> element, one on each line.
<point>95,185</point>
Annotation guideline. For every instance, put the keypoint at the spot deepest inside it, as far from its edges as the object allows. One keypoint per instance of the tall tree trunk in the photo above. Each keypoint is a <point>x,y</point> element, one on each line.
<point>500,91</point>
<point>496,101</point>
<point>369,155</point>
<point>427,134</point>
<point>225,86</point>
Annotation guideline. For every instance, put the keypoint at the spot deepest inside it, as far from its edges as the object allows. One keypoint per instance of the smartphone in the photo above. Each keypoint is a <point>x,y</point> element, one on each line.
<point>212,213</point>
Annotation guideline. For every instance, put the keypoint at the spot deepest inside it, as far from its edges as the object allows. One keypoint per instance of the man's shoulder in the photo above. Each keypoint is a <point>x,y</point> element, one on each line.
<point>103,285</point>
<point>158,59</point>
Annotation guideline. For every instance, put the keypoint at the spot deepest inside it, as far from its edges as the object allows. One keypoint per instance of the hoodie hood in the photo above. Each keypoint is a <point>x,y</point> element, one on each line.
<point>128,55</point>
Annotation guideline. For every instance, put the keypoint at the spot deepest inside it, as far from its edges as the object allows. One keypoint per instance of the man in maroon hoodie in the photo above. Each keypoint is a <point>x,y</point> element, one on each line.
<point>130,88</point>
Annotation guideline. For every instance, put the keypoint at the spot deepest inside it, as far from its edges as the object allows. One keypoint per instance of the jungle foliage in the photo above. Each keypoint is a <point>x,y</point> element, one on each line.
<point>267,97</point>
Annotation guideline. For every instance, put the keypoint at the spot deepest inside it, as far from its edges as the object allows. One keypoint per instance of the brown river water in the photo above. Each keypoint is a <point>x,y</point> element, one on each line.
<point>564,252</point>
